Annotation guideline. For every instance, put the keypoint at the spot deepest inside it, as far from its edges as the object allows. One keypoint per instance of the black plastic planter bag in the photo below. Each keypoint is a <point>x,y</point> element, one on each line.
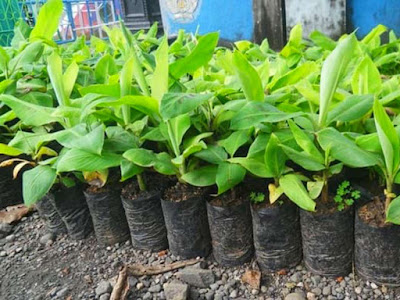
<point>328,241</point>
<point>10,189</point>
<point>108,215</point>
<point>377,253</point>
<point>71,205</point>
<point>48,212</point>
<point>277,236</point>
<point>187,227</point>
<point>231,233</point>
<point>146,222</point>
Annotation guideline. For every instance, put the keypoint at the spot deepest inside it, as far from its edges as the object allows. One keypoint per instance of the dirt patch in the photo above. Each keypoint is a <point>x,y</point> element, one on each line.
<point>373,213</point>
<point>181,192</point>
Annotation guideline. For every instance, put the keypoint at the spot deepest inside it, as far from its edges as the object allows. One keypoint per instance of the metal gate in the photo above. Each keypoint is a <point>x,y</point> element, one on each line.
<point>80,17</point>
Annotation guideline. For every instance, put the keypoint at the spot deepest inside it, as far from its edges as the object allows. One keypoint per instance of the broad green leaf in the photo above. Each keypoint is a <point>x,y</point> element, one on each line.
<point>322,40</point>
<point>386,100</point>
<point>47,20</point>
<point>393,212</point>
<point>305,142</point>
<point>177,128</point>
<point>314,188</point>
<point>332,70</point>
<point>213,154</point>
<point>251,114</point>
<point>30,114</point>
<point>4,59</point>
<point>294,76</point>
<point>27,56</point>
<point>126,86</point>
<point>257,148</point>
<point>8,150</point>
<point>369,142</point>
<point>138,73</point>
<point>295,190</point>
<point>159,81</point>
<point>388,139</point>
<point>102,89</point>
<point>252,165</point>
<point>164,165</point>
<point>144,104</point>
<point>175,104</point>
<point>69,78</point>
<point>234,141</point>
<point>129,169</point>
<point>37,183</point>
<point>229,175</point>
<point>194,148</point>
<point>366,78</point>
<point>119,139</point>
<point>263,72</point>
<point>29,143</point>
<point>248,77</point>
<point>91,141</point>
<point>274,157</point>
<point>200,56</point>
<point>353,108</point>
<point>344,149</point>
<point>55,70</point>
<point>154,134</point>
<point>79,160</point>
<point>303,159</point>
<point>204,176</point>
<point>373,34</point>
<point>306,89</point>
<point>141,157</point>
<point>5,84</point>
<point>21,33</point>
<point>104,68</point>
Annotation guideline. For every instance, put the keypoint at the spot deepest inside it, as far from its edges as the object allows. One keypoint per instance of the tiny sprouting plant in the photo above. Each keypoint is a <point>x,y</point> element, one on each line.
<point>346,195</point>
<point>257,197</point>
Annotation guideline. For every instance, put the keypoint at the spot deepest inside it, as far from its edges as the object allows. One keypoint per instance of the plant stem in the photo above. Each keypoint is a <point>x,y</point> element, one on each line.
<point>325,189</point>
<point>388,195</point>
<point>126,114</point>
<point>142,185</point>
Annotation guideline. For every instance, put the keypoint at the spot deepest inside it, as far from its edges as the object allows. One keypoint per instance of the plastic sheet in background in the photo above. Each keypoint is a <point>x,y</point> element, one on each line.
<point>377,253</point>
<point>187,227</point>
<point>328,242</point>
<point>108,216</point>
<point>146,222</point>
<point>71,205</point>
<point>277,236</point>
<point>48,212</point>
<point>231,233</point>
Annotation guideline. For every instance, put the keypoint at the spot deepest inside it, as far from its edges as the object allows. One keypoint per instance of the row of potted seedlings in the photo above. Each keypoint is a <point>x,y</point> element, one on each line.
<point>192,146</point>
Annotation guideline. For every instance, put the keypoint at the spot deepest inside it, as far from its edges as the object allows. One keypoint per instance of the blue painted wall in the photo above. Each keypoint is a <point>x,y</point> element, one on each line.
<point>366,14</point>
<point>232,18</point>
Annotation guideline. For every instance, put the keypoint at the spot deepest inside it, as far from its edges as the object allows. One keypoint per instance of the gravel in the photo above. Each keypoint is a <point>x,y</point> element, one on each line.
<point>37,265</point>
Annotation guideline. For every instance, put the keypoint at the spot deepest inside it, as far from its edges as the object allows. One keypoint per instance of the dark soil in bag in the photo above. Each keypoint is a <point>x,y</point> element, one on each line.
<point>229,217</point>
<point>377,246</point>
<point>71,205</point>
<point>328,240</point>
<point>108,215</point>
<point>277,235</point>
<point>10,189</point>
<point>185,214</point>
<point>48,212</point>
<point>145,217</point>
